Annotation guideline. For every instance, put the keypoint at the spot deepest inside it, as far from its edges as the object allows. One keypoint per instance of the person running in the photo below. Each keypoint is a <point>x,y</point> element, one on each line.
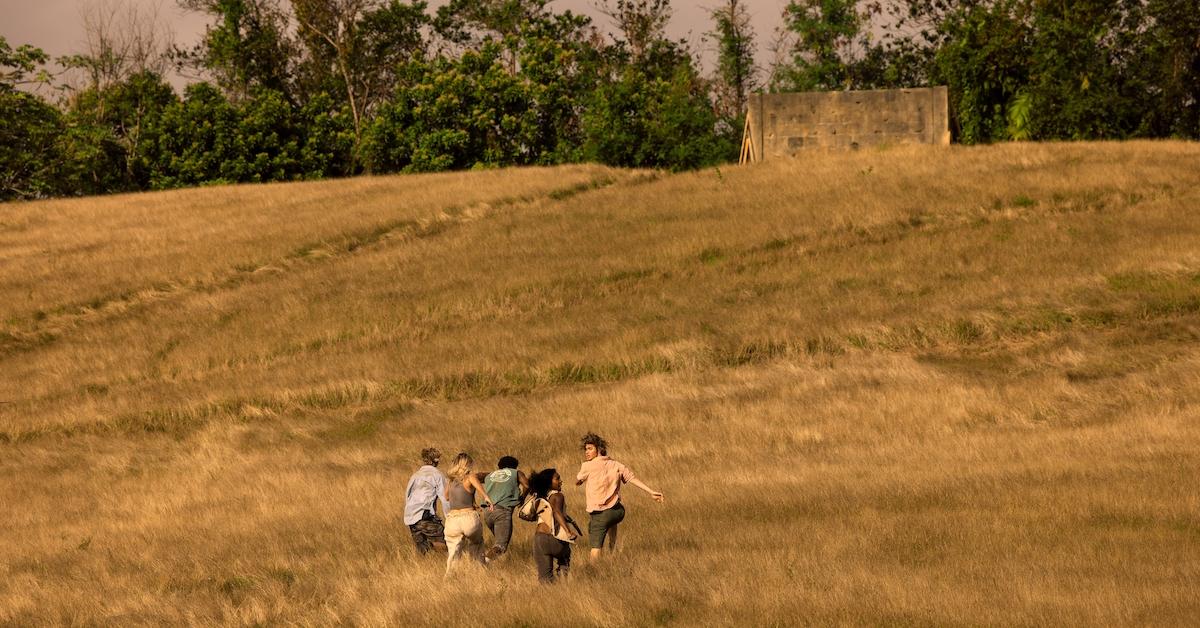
<point>420,501</point>
<point>506,487</point>
<point>464,531</point>
<point>604,477</point>
<point>555,533</point>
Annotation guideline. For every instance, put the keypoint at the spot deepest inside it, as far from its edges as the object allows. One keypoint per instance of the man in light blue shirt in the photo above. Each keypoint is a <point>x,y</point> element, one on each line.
<point>420,504</point>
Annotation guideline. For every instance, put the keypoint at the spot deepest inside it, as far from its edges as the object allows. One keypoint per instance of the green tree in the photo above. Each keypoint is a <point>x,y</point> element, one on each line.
<point>329,144</point>
<point>469,22</point>
<point>1054,70</point>
<point>30,135</point>
<point>642,23</point>
<point>249,47</point>
<point>831,47</point>
<point>454,113</point>
<point>647,120</point>
<point>30,147</point>
<point>108,129</point>
<point>1076,83</point>
<point>984,61</point>
<point>736,73</point>
<point>650,107</point>
<point>205,138</point>
<point>354,45</point>
<point>24,65</point>
<point>1165,71</point>
<point>512,97</point>
<point>558,63</point>
<point>193,140</point>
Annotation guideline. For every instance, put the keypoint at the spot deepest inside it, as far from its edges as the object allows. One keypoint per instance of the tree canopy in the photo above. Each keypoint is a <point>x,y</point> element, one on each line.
<point>298,89</point>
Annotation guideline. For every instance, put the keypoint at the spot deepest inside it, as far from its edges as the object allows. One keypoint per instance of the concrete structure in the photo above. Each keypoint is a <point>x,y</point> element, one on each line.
<point>780,125</point>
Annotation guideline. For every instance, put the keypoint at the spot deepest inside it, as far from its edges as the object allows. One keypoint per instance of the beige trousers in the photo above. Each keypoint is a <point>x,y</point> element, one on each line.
<point>464,535</point>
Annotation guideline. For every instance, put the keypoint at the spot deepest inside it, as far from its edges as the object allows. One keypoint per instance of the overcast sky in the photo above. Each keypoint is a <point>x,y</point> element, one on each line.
<point>56,25</point>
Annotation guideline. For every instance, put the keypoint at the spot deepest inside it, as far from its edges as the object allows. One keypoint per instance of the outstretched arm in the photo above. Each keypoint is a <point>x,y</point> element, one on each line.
<point>582,476</point>
<point>479,490</point>
<point>658,497</point>
<point>524,481</point>
<point>556,507</point>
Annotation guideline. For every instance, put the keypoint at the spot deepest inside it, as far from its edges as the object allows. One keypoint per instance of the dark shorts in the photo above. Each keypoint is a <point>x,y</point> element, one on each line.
<point>427,532</point>
<point>601,522</point>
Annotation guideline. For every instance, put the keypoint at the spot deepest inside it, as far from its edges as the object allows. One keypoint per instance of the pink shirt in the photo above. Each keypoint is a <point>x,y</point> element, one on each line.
<point>603,478</point>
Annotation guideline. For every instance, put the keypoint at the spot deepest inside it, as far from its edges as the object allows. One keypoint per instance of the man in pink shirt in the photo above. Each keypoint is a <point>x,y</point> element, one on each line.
<point>603,477</point>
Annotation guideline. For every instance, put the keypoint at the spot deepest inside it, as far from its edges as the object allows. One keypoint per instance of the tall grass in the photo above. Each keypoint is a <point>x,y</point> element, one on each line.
<point>921,386</point>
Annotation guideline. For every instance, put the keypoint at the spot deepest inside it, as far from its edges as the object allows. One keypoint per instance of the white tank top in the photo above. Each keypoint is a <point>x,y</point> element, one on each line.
<point>546,516</point>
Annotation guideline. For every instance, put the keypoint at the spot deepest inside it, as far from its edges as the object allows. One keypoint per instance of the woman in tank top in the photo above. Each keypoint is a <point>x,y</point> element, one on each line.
<point>552,542</point>
<point>464,530</point>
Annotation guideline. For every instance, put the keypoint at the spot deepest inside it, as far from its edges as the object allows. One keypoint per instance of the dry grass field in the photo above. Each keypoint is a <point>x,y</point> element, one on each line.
<point>923,386</point>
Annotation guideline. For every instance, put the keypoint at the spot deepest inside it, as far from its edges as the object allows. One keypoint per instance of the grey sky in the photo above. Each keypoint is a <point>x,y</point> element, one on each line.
<point>56,25</point>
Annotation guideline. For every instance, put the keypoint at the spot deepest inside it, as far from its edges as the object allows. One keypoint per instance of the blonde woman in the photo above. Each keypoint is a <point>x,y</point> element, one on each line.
<point>464,530</point>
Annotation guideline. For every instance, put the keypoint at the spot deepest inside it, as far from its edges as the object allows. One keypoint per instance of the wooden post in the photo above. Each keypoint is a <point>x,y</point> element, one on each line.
<point>748,155</point>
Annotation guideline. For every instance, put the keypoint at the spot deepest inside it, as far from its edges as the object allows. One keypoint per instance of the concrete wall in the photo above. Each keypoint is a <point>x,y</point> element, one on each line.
<point>784,124</point>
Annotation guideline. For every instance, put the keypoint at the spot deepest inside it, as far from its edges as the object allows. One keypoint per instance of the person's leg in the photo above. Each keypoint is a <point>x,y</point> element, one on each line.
<point>489,520</point>
<point>597,528</point>
<point>504,525</point>
<point>564,561</point>
<point>474,536</point>
<point>616,516</point>
<point>428,534</point>
<point>454,539</point>
<point>435,532</point>
<point>424,545</point>
<point>542,558</point>
<point>602,525</point>
<point>596,532</point>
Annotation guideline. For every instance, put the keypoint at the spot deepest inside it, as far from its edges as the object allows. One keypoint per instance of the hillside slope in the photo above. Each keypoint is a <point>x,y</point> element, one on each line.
<point>904,386</point>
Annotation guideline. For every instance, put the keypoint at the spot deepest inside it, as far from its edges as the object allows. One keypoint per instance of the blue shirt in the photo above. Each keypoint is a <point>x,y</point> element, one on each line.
<point>424,488</point>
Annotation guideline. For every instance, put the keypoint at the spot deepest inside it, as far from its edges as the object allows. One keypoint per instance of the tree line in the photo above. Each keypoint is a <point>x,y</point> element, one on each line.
<point>302,89</point>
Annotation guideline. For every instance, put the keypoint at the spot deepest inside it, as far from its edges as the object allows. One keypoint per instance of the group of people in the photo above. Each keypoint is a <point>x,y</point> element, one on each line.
<point>537,497</point>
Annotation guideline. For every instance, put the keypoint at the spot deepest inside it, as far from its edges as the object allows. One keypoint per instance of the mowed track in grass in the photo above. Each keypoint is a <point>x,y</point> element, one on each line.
<point>947,386</point>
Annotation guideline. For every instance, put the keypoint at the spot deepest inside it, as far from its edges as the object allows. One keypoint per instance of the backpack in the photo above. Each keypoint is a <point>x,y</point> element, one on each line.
<point>531,508</point>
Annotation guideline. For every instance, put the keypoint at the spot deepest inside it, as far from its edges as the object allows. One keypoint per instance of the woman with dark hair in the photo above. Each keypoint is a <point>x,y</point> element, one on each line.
<point>552,542</point>
<point>604,477</point>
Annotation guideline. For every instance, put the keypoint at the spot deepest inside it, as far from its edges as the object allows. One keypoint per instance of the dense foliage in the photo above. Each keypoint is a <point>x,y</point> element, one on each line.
<point>301,89</point>
<point>1016,69</point>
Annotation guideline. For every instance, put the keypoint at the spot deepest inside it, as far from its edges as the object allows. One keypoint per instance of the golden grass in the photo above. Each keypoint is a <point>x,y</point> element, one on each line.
<point>914,386</point>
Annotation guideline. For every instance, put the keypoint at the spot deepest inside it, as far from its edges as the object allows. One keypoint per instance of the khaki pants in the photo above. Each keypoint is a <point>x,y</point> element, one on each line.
<point>464,535</point>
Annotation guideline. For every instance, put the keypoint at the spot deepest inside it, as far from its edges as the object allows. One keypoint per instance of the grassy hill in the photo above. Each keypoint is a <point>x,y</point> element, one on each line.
<point>918,385</point>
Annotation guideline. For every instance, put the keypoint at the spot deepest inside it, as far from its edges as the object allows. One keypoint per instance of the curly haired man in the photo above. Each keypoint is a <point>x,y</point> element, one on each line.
<point>603,477</point>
